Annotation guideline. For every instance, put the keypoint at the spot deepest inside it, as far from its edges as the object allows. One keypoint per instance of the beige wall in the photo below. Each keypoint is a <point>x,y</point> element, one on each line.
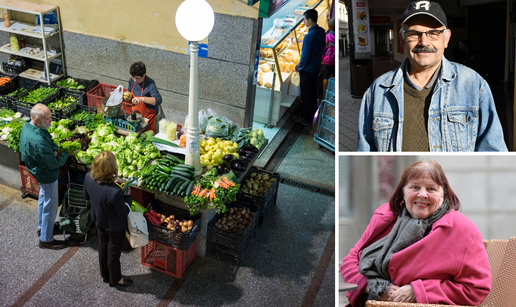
<point>149,23</point>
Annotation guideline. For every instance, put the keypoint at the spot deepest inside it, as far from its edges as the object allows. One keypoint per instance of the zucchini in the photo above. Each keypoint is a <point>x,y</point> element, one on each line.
<point>183,187</point>
<point>190,188</point>
<point>178,184</point>
<point>182,173</point>
<point>146,175</point>
<point>169,183</point>
<point>190,167</point>
<point>183,178</point>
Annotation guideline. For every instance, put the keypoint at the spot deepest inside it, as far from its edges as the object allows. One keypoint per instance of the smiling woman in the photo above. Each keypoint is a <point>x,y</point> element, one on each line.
<point>420,221</point>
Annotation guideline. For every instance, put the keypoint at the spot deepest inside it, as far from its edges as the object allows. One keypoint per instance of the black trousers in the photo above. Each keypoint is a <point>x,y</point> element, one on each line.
<point>309,94</point>
<point>110,249</point>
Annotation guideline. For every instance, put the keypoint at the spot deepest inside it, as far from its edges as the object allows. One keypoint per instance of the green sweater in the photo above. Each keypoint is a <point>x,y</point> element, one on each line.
<point>37,151</point>
<point>415,118</point>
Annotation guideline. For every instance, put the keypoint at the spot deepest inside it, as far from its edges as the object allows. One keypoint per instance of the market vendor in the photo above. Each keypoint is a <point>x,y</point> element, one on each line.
<point>146,98</point>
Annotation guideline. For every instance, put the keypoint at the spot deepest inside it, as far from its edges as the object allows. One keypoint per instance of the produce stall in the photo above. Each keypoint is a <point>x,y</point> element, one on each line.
<point>280,52</point>
<point>154,168</point>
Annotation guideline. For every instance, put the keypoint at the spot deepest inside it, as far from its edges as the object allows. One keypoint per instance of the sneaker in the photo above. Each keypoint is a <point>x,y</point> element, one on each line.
<point>55,244</point>
<point>300,120</point>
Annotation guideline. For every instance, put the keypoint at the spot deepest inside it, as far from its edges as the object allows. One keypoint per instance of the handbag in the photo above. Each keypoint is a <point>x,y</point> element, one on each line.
<point>137,233</point>
<point>295,85</point>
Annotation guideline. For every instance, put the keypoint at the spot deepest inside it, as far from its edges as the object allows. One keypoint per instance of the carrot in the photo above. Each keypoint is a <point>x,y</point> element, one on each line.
<point>212,196</point>
<point>228,182</point>
<point>203,193</point>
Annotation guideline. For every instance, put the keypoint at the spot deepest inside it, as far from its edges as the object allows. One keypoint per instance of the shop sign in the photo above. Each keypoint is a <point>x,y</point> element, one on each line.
<point>203,50</point>
<point>361,29</point>
<point>380,19</point>
<point>269,7</point>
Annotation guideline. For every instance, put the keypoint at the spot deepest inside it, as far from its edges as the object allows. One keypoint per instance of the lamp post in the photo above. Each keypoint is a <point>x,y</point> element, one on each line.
<point>194,21</point>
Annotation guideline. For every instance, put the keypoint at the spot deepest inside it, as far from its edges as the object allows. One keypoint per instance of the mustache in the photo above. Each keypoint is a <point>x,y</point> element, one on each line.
<point>419,49</point>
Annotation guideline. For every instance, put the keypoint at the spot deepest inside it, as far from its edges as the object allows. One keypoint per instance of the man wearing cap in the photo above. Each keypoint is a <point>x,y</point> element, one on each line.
<point>428,103</point>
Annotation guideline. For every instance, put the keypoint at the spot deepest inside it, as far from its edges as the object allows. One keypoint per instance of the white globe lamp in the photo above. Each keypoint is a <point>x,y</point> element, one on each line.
<point>194,21</point>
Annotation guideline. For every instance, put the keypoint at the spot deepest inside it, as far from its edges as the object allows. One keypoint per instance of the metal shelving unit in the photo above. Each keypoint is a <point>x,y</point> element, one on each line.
<point>44,55</point>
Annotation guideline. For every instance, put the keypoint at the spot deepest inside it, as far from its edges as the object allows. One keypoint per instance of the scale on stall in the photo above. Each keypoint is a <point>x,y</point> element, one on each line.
<point>120,119</point>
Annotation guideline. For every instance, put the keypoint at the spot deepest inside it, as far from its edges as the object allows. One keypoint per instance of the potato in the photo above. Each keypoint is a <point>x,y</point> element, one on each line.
<point>229,223</point>
<point>265,177</point>
<point>249,185</point>
<point>253,175</point>
<point>272,179</point>
<point>231,210</point>
<point>225,227</point>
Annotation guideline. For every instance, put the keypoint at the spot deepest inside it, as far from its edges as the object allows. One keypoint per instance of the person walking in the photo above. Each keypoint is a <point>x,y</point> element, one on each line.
<point>43,160</point>
<point>109,212</point>
<point>309,66</point>
<point>329,54</point>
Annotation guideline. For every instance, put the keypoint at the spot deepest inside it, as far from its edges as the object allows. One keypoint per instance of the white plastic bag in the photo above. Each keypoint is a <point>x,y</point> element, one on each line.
<point>117,96</point>
<point>138,234</point>
<point>204,117</point>
<point>295,84</point>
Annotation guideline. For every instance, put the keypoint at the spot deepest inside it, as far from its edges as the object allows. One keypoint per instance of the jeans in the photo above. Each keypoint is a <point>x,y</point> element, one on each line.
<point>308,83</point>
<point>47,210</point>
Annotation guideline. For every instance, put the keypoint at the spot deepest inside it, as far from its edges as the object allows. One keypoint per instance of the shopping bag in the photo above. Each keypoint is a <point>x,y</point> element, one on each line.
<point>117,96</point>
<point>137,233</point>
<point>295,85</point>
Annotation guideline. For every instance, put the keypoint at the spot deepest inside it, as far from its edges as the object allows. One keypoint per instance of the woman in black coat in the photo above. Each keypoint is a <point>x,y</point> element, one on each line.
<point>109,212</point>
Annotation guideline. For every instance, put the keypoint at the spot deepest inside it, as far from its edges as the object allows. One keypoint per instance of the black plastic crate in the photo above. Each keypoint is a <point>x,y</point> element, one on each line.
<point>227,254</point>
<point>16,69</point>
<point>231,239</point>
<point>264,202</point>
<point>44,101</point>
<point>88,86</point>
<point>26,112</point>
<point>81,107</point>
<point>171,237</point>
<point>9,87</point>
<point>67,111</point>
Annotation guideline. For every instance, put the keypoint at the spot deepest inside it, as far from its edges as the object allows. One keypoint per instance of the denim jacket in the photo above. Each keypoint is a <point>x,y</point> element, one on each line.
<point>462,114</point>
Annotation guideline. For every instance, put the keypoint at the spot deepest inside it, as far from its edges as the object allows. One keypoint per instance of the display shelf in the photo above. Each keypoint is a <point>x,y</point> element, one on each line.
<point>26,29</point>
<point>35,74</point>
<point>29,29</point>
<point>39,56</point>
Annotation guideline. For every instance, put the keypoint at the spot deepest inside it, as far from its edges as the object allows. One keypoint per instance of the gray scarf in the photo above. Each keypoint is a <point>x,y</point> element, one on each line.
<point>376,257</point>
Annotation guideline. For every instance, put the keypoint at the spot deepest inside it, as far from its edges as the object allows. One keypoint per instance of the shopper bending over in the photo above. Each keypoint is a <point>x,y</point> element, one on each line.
<point>43,160</point>
<point>109,212</point>
<point>329,54</point>
<point>146,98</point>
<point>419,248</point>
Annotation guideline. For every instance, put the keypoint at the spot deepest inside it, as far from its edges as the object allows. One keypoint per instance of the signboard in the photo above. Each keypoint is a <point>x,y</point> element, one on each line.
<point>379,19</point>
<point>268,7</point>
<point>361,29</point>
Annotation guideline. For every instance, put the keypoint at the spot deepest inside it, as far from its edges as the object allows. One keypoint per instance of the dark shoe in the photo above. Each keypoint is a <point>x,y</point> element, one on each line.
<point>56,244</point>
<point>127,282</point>
<point>106,280</point>
<point>300,120</point>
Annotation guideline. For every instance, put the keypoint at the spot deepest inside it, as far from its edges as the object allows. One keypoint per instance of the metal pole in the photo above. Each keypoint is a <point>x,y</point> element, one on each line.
<point>272,96</point>
<point>192,156</point>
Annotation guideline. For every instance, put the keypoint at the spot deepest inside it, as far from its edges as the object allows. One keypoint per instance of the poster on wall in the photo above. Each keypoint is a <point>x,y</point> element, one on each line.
<point>361,29</point>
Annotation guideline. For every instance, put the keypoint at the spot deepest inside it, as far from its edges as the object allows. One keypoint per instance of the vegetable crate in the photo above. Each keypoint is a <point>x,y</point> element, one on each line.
<point>16,69</point>
<point>45,100</point>
<point>66,111</point>
<point>229,255</point>
<point>264,202</point>
<point>179,240</point>
<point>8,88</point>
<point>142,197</point>
<point>24,110</point>
<point>167,259</point>
<point>231,239</point>
<point>330,92</point>
<point>325,135</point>
<point>85,108</point>
<point>88,86</point>
<point>96,94</point>
<point>29,183</point>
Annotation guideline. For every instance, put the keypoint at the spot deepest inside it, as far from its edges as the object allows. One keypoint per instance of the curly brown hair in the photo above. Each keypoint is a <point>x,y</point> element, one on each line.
<point>104,168</point>
<point>137,69</point>
<point>417,170</point>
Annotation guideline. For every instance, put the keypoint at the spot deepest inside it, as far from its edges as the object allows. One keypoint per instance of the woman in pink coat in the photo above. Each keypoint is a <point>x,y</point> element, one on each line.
<point>419,248</point>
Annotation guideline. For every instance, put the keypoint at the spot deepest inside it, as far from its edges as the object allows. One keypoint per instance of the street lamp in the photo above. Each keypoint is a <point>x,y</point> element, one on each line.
<point>194,21</point>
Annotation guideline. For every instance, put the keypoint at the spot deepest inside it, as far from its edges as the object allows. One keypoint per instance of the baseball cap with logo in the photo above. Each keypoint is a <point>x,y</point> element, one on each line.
<point>424,8</point>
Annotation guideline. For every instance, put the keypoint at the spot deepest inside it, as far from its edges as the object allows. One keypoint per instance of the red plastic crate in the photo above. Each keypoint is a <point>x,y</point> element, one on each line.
<point>167,259</point>
<point>29,183</point>
<point>98,93</point>
<point>142,197</point>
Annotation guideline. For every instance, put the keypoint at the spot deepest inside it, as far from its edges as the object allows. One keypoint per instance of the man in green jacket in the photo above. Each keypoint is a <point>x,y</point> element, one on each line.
<point>43,160</point>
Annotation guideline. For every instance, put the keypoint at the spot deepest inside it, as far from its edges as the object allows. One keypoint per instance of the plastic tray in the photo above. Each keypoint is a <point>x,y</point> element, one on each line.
<point>67,111</point>
<point>167,259</point>
<point>44,101</point>
<point>230,239</point>
<point>12,69</point>
<point>264,202</point>
<point>7,88</point>
<point>171,237</point>
<point>227,254</point>
<point>79,123</point>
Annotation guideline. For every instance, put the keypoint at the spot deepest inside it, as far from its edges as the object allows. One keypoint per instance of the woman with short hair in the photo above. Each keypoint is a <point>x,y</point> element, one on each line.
<point>109,212</point>
<point>419,248</point>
